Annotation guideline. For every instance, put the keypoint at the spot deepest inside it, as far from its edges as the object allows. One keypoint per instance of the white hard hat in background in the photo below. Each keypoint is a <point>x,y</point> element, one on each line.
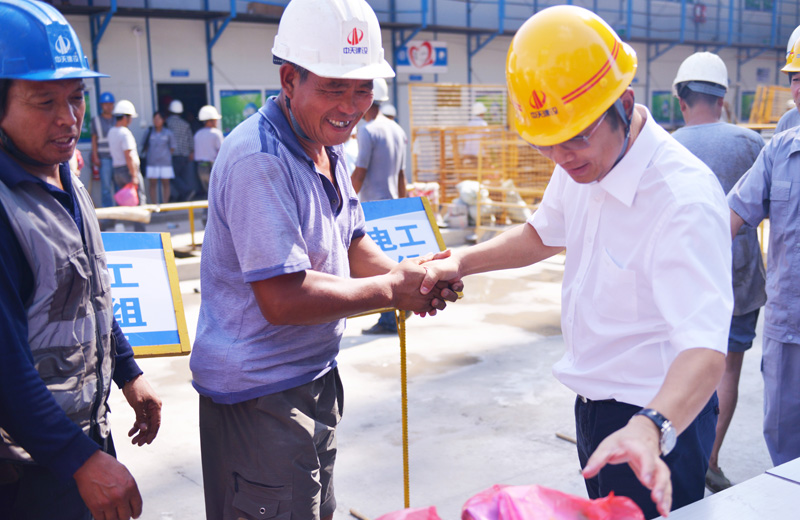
<point>208,112</point>
<point>704,67</point>
<point>124,108</point>
<point>388,110</point>
<point>176,107</point>
<point>478,108</point>
<point>332,39</point>
<point>792,40</point>
<point>380,90</point>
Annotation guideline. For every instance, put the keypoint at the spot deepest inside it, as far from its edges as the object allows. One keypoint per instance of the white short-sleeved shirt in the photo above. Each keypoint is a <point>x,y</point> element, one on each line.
<point>121,139</point>
<point>648,269</point>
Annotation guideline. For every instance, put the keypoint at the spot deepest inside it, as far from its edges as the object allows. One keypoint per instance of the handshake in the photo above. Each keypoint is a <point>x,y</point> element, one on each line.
<point>425,285</point>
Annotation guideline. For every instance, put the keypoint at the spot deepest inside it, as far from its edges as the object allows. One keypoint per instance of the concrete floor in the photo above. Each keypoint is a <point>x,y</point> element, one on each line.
<point>483,407</point>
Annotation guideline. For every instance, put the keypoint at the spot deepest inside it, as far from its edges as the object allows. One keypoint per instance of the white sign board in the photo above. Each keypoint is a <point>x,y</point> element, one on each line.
<point>146,297</point>
<point>403,228</point>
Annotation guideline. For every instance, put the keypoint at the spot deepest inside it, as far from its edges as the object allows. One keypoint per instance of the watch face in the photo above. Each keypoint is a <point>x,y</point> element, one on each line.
<point>668,439</point>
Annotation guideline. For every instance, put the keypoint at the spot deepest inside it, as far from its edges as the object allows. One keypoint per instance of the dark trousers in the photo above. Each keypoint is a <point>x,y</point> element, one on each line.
<point>688,461</point>
<point>185,184</point>
<point>32,492</point>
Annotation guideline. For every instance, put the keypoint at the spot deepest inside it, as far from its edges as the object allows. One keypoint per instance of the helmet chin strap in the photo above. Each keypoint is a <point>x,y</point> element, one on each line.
<point>627,121</point>
<point>12,149</point>
<point>295,125</point>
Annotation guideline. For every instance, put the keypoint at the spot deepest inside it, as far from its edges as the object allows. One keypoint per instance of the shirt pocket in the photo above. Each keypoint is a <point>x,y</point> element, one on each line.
<point>615,291</point>
<point>73,280</point>
<point>780,209</point>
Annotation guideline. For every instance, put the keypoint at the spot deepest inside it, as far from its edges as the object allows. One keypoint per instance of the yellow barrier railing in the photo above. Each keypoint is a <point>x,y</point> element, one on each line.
<point>143,213</point>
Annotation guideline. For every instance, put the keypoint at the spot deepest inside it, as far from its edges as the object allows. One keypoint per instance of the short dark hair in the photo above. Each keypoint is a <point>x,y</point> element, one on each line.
<point>692,98</point>
<point>5,85</point>
<point>301,72</point>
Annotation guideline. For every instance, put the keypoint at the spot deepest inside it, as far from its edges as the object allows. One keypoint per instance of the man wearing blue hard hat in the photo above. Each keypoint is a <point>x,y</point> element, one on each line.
<point>61,346</point>
<point>101,153</point>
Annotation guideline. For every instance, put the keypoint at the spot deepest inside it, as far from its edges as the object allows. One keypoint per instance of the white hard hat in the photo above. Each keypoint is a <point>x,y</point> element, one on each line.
<point>332,39</point>
<point>478,108</point>
<point>208,112</point>
<point>380,90</point>
<point>388,110</point>
<point>124,108</point>
<point>176,107</point>
<point>705,67</point>
<point>792,40</point>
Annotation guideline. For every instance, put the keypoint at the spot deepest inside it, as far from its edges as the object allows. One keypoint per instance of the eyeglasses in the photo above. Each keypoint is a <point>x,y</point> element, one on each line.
<point>579,142</point>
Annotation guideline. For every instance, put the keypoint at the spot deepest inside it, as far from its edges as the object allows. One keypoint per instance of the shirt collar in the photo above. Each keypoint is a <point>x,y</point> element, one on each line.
<point>274,115</point>
<point>12,174</point>
<point>623,180</point>
<point>795,145</point>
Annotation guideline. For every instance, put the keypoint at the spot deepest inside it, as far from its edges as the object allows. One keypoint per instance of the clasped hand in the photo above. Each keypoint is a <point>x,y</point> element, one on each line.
<point>411,274</point>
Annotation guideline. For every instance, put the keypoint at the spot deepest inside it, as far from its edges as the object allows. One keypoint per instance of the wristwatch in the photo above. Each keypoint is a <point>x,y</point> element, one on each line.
<point>667,432</point>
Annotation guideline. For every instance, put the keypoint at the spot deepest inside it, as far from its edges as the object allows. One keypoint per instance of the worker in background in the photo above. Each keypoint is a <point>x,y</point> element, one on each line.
<point>770,190</point>
<point>791,118</point>
<point>389,111</point>
<point>60,345</point>
<point>729,150</point>
<point>124,152</point>
<point>646,296</point>
<point>101,156</point>
<point>207,142</point>
<point>471,143</point>
<point>380,170</point>
<point>184,185</point>
<point>286,258</point>
<point>159,143</point>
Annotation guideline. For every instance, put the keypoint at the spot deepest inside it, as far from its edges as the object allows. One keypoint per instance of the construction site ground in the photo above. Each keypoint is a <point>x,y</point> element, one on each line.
<point>483,406</point>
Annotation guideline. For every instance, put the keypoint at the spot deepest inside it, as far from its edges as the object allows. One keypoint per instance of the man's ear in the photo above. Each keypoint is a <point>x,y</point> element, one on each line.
<point>628,100</point>
<point>289,78</point>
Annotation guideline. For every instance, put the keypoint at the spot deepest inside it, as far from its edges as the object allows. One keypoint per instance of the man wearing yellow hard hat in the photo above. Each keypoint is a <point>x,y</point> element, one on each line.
<point>646,297</point>
<point>791,118</point>
<point>770,190</point>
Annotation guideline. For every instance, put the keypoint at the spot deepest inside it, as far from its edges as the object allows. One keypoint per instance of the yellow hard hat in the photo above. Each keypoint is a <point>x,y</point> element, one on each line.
<point>793,59</point>
<point>565,67</point>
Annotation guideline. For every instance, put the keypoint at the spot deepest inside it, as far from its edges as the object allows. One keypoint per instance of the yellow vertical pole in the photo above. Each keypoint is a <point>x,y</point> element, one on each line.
<point>400,317</point>
<point>191,224</point>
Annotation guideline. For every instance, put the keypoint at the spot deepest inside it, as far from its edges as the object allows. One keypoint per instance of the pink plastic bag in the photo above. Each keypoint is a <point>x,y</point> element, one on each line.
<point>128,195</point>
<point>420,513</point>
<point>535,502</point>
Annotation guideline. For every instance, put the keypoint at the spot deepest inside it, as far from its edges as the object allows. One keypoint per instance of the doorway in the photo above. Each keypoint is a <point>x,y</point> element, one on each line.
<point>192,95</point>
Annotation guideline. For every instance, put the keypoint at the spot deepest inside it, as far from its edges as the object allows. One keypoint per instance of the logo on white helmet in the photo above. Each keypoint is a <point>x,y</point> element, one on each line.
<point>356,38</point>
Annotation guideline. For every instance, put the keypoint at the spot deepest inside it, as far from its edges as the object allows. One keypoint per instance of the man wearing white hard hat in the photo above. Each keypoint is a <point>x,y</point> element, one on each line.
<point>184,185</point>
<point>380,170</point>
<point>471,143</point>
<point>792,117</point>
<point>124,152</point>
<point>729,150</point>
<point>286,258</point>
<point>207,142</point>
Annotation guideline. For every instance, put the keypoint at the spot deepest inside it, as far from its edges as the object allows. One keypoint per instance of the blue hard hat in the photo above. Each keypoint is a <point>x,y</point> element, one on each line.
<point>37,43</point>
<point>107,97</point>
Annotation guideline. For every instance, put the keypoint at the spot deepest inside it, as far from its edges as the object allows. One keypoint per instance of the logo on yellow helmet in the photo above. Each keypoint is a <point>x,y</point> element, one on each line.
<point>537,99</point>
